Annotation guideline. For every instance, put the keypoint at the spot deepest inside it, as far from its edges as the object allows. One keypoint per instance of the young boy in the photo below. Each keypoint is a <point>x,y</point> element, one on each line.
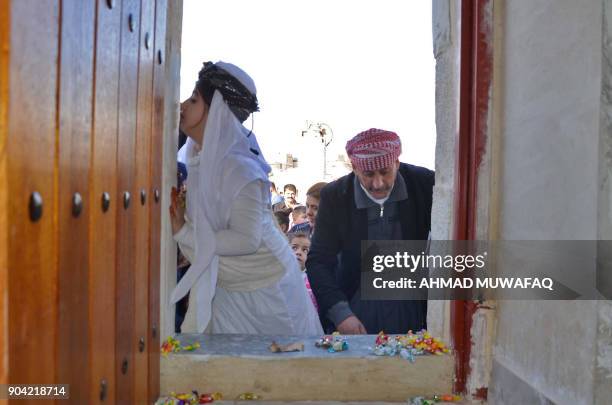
<point>300,244</point>
<point>298,216</point>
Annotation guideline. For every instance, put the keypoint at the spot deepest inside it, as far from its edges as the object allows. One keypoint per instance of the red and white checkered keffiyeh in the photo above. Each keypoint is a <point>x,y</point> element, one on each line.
<point>374,149</point>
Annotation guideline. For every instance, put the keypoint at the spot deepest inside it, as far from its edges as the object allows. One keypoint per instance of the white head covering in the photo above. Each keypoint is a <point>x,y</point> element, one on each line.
<point>230,158</point>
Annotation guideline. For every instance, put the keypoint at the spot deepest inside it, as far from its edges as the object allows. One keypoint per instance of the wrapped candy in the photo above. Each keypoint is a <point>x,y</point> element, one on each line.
<point>190,348</point>
<point>408,346</point>
<point>205,399</point>
<point>209,398</point>
<point>425,342</point>
<point>173,345</point>
<point>338,346</point>
<point>407,354</point>
<point>381,339</point>
<point>179,399</point>
<point>384,350</point>
<point>333,343</point>
<point>325,342</point>
<point>170,345</point>
<point>189,399</point>
<point>421,401</point>
<point>248,396</point>
<point>447,398</point>
<point>432,401</point>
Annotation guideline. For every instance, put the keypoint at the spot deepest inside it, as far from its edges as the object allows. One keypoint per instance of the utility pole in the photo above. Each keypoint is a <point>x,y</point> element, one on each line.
<point>323,132</point>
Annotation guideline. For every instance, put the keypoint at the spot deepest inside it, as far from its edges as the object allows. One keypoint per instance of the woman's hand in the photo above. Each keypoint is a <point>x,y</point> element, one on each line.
<point>177,209</point>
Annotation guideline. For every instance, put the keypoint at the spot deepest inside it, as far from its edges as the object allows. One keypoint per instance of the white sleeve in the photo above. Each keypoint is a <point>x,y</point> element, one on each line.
<point>245,225</point>
<point>185,239</point>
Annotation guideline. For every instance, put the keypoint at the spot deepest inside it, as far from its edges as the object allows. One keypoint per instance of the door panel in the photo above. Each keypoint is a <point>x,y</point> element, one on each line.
<point>141,209</point>
<point>31,157</point>
<point>156,176</point>
<point>128,201</point>
<point>75,112</point>
<point>103,210</point>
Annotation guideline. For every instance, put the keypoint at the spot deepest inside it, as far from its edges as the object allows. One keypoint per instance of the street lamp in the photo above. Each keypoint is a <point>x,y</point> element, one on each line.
<point>324,132</point>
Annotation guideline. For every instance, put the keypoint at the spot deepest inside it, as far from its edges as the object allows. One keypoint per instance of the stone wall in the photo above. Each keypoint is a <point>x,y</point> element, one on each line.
<point>603,364</point>
<point>171,119</point>
<point>445,29</point>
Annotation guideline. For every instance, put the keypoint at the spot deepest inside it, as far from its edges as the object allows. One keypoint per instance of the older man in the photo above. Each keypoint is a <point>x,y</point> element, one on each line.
<point>382,199</point>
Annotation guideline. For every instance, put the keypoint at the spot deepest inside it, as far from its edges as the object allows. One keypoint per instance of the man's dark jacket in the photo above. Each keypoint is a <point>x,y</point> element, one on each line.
<point>334,259</point>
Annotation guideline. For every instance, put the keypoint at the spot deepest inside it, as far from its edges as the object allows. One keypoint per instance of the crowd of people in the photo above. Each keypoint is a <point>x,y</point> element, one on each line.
<point>255,260</point>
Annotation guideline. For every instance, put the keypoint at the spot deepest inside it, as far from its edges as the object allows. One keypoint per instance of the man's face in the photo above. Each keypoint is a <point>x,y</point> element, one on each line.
<point>312,207</point>
<point>289,196</point>
<point>300,246</point>
<point>378,182</point>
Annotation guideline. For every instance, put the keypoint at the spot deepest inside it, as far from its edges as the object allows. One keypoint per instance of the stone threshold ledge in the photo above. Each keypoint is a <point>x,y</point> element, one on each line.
<point>235,364</point>
<point>463,402</point>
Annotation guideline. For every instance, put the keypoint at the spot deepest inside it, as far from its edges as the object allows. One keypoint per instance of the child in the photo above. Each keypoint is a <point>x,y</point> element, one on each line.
<point>300,244</point>
<point>282,219</point>
<point>298,216</point>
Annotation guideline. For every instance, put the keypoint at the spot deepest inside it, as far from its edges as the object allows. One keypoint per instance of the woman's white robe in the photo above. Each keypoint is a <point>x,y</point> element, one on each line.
<point>244,277</point>
<point>255,293</point>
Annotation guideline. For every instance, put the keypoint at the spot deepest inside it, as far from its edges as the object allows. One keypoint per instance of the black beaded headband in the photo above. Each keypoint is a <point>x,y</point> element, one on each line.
<point>238,98</point>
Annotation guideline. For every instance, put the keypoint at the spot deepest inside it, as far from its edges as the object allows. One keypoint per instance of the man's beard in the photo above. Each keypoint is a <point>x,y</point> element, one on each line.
<point>379,191</point>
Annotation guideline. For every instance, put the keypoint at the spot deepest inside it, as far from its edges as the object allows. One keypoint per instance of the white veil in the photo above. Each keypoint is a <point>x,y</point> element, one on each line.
<point>230,158</point>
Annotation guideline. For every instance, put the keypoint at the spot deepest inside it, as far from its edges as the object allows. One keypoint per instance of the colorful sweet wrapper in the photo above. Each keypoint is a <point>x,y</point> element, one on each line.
<point>333,343</point>
<point>248,396</point>
<point>173,345</point>
<point>434,400</point>
<point>408,346</point>
<point>189,399</point>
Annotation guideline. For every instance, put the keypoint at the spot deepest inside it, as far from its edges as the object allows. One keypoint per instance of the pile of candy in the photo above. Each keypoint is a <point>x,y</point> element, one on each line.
<point>434,400</point>
<point>408,346</point>
<point>172,345</point>
<point>189,399</point>
<point>333,343</point>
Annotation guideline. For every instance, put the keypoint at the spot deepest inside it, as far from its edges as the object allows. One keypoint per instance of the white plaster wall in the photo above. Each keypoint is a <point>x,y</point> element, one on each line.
<point>174,21</point>
<point>552,88</point>
<point>549,182</point>
<point>445,27</point>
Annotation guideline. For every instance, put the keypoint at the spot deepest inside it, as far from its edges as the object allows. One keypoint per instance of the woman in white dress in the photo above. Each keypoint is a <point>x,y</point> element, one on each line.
<point>243,277</point>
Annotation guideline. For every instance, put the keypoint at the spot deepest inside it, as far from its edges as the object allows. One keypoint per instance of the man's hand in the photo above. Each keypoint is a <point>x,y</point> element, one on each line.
<point>177,210</point>
<point>351,326</point>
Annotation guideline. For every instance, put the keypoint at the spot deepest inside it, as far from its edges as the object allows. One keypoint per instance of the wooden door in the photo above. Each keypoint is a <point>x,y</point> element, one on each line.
<point>81,123</point>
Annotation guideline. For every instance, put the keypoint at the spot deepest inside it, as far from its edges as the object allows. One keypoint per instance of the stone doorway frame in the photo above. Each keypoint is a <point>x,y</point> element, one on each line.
<point>463,48</point>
